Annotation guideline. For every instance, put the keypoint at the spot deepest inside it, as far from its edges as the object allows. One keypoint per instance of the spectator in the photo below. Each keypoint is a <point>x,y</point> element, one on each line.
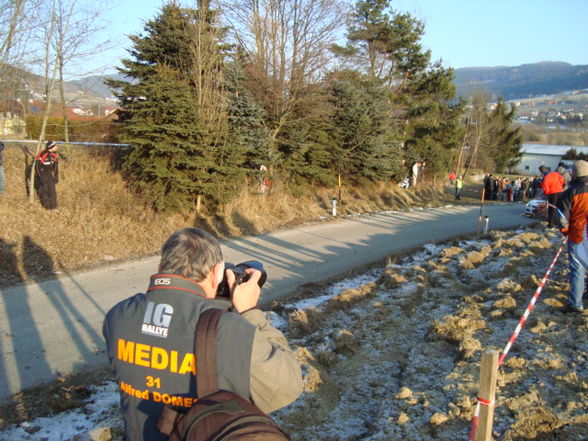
<point>496,188</point>
<point>458,187</point>
<point>565,173</point>
<point>488,186</point>
<point>516,190</point>
<point>451,178</point>
<point>47,174</point>
<point>536,186</point>
<point>571,219</point>
<point>552,186</point>
<point>525,189</point>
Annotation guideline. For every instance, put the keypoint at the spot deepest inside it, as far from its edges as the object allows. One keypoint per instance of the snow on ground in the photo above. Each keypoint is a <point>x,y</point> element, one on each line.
<point>394,353</point>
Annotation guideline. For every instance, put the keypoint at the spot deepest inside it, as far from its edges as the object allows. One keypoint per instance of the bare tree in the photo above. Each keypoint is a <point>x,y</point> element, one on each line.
<point>49,86</point>
<point>10,17</point>
<point>287,44</point>
<point>476,133</point>
<point>18,20</point>
<point>74,38</point>
<point>205,66</point>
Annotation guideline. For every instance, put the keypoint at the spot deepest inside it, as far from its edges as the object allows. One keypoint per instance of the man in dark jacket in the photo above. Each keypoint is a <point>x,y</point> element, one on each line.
<point>47,175</point>
<point>150,338</point>
<point>563,169</point>
<point>572,219</point>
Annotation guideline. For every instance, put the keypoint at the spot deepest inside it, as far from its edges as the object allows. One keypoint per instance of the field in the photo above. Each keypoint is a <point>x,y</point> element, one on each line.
<point>394,353</point>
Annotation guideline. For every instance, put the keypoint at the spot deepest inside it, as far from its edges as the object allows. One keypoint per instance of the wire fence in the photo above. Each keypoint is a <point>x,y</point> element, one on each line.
<point>88,144</point>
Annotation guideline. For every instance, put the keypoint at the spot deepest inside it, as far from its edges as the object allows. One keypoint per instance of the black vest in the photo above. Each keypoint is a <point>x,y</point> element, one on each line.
<point>150,343</point>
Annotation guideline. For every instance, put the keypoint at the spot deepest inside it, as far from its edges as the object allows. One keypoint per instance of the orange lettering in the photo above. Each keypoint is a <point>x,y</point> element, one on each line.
<point>125,350</point>
<point>174,361</point>
<point>159,358</point>
<point>142,354</point>
<point>188,364</point>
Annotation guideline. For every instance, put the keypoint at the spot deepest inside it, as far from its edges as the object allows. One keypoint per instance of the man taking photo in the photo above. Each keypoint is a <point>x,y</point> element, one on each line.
<point>150,338</point>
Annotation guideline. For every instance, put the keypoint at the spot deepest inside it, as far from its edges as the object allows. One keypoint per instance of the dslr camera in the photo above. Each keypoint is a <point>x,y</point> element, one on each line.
<point>240,276</point>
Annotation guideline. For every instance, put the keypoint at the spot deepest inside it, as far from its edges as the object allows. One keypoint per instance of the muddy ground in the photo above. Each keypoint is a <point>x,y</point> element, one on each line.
<point>399,358</point>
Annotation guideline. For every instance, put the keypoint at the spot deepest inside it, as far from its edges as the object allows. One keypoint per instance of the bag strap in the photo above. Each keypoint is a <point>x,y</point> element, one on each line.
<point>205,352</point>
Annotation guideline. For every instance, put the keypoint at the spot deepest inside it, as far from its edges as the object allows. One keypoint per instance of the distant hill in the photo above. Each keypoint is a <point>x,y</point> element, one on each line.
<point>94,85</point>
<point>527,80</point>
<point>508,82</point>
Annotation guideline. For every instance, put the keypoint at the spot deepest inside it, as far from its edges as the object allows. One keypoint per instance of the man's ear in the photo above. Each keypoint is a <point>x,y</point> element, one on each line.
<point>218,274</point>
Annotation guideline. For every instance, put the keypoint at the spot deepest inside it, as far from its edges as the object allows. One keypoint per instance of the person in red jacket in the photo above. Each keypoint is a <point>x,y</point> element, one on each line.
<point>552,185</point>
<point>572,219</point>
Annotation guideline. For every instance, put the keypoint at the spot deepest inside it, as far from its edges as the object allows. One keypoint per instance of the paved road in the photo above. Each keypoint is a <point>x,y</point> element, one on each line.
<point>55,327</point>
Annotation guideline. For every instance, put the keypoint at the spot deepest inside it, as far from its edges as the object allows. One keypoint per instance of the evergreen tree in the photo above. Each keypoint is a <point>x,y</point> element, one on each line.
<point>306,143</point>
<point>368,26</point>
<point>162,43</point>
<point>167,163</point>
<point>173,112</point>
<point>421,112</point>
<point>433,118</point>
<point>507,141</point>
<point>368,144</point>
<point>384,44</point>
<point>248,133</point>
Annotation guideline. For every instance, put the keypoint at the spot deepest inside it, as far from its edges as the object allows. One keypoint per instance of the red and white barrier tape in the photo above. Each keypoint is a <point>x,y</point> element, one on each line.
<point>530,307</point>
<point>513,337</point>
<point>480,402</point>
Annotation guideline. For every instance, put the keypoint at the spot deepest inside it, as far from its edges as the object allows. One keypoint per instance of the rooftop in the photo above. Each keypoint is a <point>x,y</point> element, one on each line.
<point>551,150</point>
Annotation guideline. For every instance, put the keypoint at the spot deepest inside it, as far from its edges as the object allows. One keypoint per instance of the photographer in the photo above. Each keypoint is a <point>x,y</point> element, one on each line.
<point>150,337</point>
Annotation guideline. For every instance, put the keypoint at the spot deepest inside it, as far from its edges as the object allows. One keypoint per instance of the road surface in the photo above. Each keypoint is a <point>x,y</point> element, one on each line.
<point>55,327</point>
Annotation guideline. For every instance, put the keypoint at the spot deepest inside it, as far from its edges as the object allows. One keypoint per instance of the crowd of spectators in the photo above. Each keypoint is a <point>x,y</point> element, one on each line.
<point>502,188</point>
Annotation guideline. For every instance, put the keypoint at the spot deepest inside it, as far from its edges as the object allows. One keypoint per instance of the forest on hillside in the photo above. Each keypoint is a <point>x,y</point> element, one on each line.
<point>220,90</point>
<point>527,80</point>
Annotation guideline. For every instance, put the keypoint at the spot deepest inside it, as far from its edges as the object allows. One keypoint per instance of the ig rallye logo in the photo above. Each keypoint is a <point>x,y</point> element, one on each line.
<point>157,317</point>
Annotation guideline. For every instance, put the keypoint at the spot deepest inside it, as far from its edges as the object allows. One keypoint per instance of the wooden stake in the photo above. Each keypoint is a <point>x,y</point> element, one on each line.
<point>481,211</point>
<point>488,375</point>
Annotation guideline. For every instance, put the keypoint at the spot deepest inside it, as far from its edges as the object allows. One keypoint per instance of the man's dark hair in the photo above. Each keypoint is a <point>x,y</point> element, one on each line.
<point>190,253</point>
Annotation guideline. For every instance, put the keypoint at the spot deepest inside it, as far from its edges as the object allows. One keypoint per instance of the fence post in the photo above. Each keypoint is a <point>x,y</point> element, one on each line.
<point>481,211</point>
<point>486,395</point>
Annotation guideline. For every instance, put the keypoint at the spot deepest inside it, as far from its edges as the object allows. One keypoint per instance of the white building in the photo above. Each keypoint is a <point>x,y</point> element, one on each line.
<point>535,155</point>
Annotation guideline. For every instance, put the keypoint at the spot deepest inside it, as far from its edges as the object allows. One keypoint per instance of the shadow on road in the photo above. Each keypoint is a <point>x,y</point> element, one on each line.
<point>21,328</point>
<point>374,237</point>
<point>75,323</point>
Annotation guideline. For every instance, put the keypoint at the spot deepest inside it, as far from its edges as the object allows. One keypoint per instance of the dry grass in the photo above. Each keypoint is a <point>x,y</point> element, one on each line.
<point>99,220</point>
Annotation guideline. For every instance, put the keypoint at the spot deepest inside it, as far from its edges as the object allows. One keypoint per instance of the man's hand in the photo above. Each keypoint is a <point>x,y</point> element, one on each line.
<point>246,295</point>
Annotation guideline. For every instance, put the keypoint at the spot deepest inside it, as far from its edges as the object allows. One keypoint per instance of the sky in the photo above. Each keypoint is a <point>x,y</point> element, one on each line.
<point>462,33</point>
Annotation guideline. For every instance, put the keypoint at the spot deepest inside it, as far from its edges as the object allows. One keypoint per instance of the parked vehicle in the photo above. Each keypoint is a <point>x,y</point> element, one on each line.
<point>536,208</point>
